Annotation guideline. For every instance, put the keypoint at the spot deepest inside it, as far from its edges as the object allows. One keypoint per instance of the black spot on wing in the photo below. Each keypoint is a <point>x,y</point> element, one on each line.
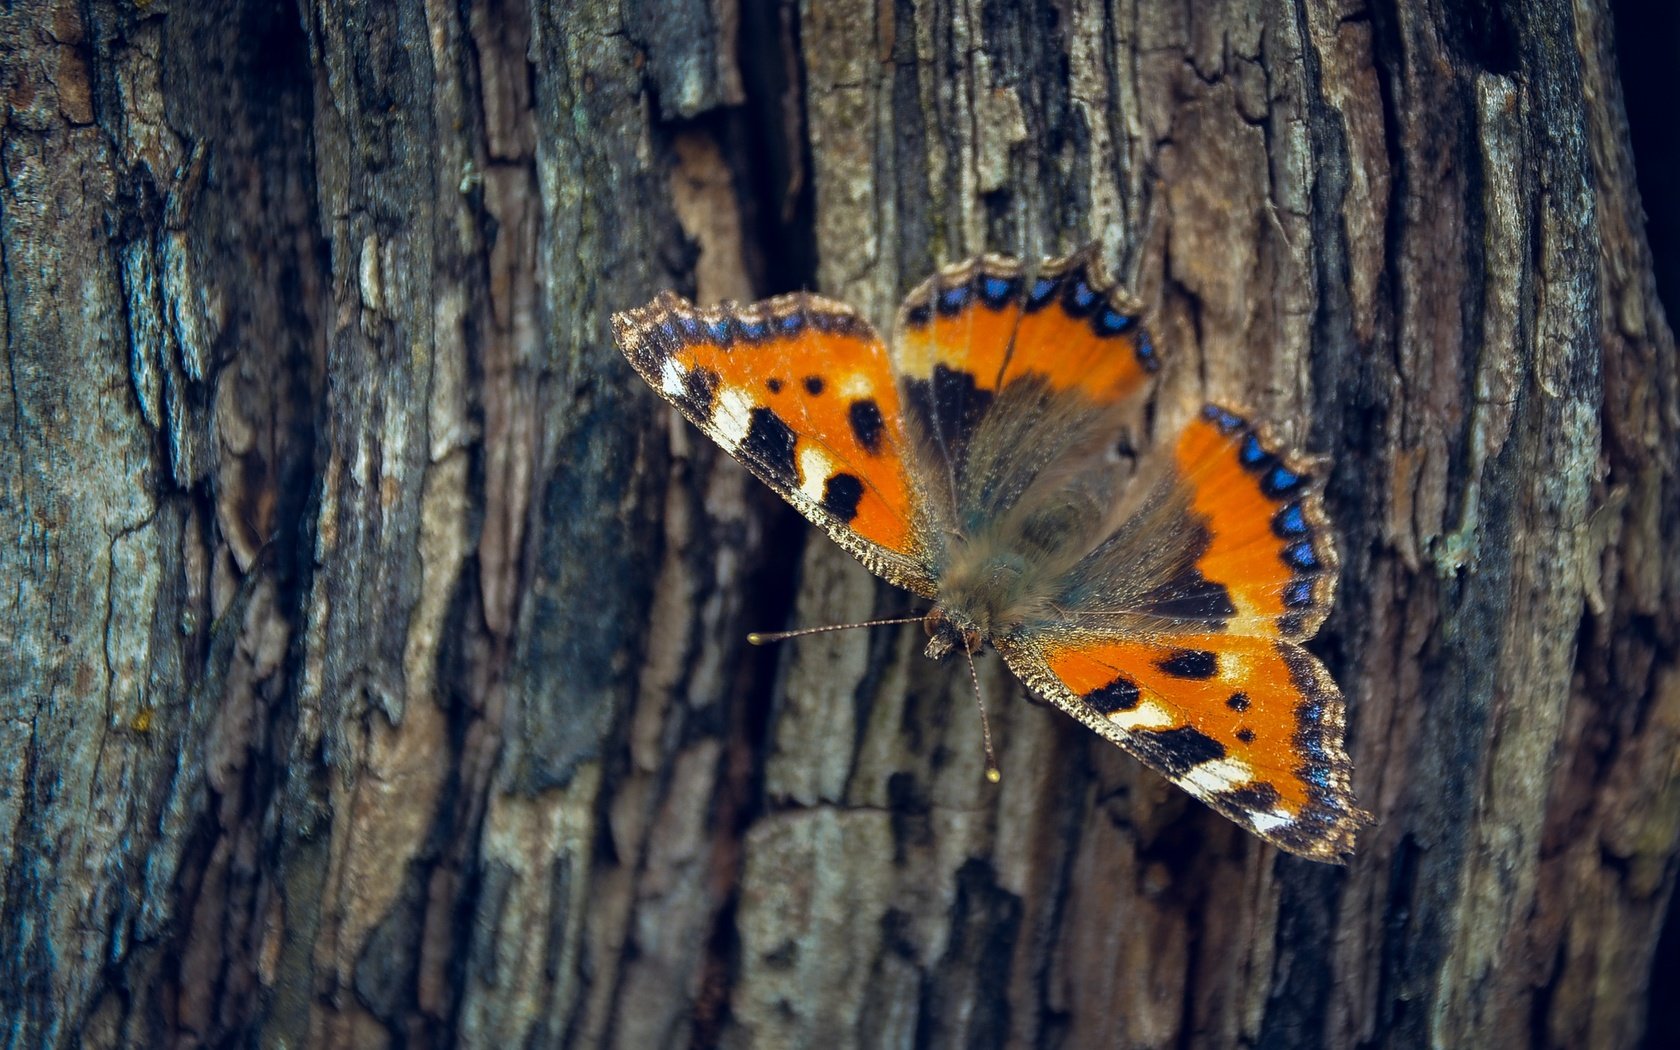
<point>1298,593</point>
<point>841,494</point>
<point>1189,596</point>
<point>1118,695</point>
<point>1190,663</point>
<point>1290,523</point>
<point>719,331</point>
<point>1258,797</point>
<point>1109,322</point>
<point>774,385</point>
<point>1042,293</point>
<point>950,406</point>
<point>1237,701</point>
<point>835,321</point>
<point>1252,455</point>
<point>1180,750</point>
<point>1301,556</point>
<point>752,328</point>
<point>1146,355</point>
<point>1079,297</point>
<point>867,424</point>
<point>813,385</point>
<point>1280,482</point>
<point>770,443</point>
<point>1246,735</point>
<point>700,390</point>
<point>1227,421</point>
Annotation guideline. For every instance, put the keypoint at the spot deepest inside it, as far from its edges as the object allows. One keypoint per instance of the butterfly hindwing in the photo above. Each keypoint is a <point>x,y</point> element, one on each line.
<point>1081,331</point>
<point>1269,539</point>
<point>972,329</point>
<point>800,390</point>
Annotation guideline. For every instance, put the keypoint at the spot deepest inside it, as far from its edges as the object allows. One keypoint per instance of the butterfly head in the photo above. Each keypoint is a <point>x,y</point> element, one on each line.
<point>947,632</point>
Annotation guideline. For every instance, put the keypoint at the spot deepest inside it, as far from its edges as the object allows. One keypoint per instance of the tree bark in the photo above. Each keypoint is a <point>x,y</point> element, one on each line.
<point>376,669</point>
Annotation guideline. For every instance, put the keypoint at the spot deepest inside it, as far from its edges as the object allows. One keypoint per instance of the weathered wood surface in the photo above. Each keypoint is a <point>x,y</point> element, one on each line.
<point>375,669</point>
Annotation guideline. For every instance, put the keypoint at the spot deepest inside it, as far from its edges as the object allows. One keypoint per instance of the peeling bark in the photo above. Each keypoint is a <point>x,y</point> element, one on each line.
<point>375,641</point>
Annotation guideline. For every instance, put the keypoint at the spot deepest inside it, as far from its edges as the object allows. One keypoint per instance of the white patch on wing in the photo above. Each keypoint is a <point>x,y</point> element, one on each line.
<point>671,377</point>
<point>1269,822</point>
<point>814,470</point>
<point>732,418</point>
<point>1146,715</point>
<point>1220,774</point>
<point>856,385</point>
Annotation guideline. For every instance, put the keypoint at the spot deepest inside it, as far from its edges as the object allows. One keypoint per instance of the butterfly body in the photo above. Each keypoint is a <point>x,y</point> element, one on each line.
<point>984,462</point>
<point>1026,520</point>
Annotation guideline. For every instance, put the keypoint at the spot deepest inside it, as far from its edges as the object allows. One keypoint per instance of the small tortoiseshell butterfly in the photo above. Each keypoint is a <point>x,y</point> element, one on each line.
<point>977,463</point>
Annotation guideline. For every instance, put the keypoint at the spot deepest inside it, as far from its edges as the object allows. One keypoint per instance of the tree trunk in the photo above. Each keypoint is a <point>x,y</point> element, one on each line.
<point>375,661</point>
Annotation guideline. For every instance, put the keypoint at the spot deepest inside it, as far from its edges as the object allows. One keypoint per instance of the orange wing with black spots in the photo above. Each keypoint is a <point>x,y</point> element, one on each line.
<point>1251,726</point>
<point>799,389</point>
<point>1177,639</point>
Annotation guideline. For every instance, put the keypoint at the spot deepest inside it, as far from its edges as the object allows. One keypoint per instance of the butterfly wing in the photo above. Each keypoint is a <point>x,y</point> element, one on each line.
<point>989,354</point>
<point>800,390</point>
<point>975,327</point>
<point>1177,638</point>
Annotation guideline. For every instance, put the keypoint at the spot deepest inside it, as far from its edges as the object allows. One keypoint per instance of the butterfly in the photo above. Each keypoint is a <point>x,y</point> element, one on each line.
<point>979,462</point>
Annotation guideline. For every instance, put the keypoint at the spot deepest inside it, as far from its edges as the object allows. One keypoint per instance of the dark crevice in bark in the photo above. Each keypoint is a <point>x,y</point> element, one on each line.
<point>1394,996</point>
<point>1031,59</point>
<point>1296,1007</point>
<point>1387,62</point>
<point>1645,37</point>
<point>965,1001</point>
<point>1647,34</point>
<point>903,164</point>
<point>778,191</point>
<point>1480,32</point>
<point>766,143</point>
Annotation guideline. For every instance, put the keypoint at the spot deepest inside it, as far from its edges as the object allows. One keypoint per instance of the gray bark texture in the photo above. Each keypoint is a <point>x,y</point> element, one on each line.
<point>373,660</point>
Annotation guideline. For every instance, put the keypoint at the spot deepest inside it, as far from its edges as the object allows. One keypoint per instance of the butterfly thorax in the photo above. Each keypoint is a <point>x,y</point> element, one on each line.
<point>987,591</point>
<point>1030,488</point>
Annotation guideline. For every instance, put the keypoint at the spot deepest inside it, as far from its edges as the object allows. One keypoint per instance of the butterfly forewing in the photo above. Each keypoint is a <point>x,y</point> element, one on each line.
<point>799,389</point>
<point>1081,332</point>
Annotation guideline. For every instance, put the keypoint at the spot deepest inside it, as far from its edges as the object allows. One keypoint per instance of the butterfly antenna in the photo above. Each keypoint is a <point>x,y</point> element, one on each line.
<point>993,773</point>
<point>766,637</point>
